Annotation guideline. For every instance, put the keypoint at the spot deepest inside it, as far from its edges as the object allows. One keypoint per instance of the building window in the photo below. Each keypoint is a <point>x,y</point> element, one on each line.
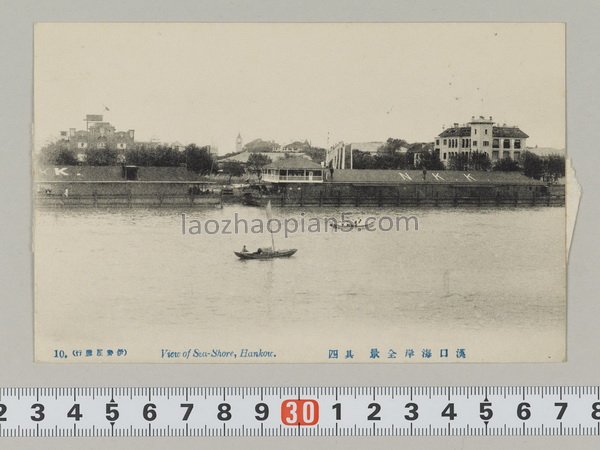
<point>475,131</point>
<point>444,155</point>
<point>486,131</point>
<point>474,143</point>
<point>496,143</point>
<point>486,143</point>
<point>506,143</point>
<point>445,141</point>
<point>101,145</point>
<point>505,154</point>
<point>495,155</point>
<point>517,143</point>
<point>437,142</point>
<point>516,155</point>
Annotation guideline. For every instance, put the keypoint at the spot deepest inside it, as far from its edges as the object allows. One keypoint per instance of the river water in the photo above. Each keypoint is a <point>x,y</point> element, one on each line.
<point>487,282</point>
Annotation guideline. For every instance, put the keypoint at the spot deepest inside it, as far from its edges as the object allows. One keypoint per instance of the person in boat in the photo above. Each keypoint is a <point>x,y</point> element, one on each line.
<point>259,251</point>
<point>244,249</point>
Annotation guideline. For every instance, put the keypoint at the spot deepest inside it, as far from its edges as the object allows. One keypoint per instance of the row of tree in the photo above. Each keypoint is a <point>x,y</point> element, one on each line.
<point>398,161</point>
<point>256,161</point>
<point>197,159</point>
<point>549,167</point>
<point>395,154</point>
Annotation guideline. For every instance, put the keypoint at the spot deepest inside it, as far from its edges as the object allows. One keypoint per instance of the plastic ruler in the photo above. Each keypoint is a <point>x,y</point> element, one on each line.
<point>299,411</point>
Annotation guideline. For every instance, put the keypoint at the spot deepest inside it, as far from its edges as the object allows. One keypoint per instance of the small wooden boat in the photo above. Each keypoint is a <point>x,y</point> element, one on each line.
<point>249,199</point>
<point>266,253</point>
<point>346,225</point>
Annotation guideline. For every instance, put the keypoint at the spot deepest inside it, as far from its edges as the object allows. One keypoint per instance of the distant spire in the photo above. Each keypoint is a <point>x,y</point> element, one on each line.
<point>238,143</point>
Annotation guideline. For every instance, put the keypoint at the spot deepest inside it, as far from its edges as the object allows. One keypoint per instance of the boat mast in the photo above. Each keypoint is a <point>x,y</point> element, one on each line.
<point>272,242</point>
<point>269,216</point>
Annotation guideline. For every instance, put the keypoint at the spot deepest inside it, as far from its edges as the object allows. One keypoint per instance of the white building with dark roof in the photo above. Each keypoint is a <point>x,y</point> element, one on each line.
<point>481,135</point>
<point>336,155</point>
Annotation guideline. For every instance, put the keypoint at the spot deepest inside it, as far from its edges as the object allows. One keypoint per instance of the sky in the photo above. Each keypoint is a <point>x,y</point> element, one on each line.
<point>326,83</point>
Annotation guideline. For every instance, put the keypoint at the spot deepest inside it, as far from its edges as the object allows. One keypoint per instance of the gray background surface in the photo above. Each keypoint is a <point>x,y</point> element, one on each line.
<point>16,301</point>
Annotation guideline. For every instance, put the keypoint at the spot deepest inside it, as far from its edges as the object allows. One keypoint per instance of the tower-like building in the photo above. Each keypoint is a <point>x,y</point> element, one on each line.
<point>481,135</point>
<point>97,135</point>
<point>239,143</point>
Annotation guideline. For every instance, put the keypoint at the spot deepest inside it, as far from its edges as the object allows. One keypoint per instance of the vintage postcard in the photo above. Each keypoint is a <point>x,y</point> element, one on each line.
<point>299,193</point>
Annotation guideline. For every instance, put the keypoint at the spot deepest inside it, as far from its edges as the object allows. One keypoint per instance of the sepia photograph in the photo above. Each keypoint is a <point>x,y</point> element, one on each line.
<point>299,193</point>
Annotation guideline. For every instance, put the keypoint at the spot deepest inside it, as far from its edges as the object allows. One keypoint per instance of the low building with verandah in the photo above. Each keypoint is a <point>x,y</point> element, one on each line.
<point>293,170</point>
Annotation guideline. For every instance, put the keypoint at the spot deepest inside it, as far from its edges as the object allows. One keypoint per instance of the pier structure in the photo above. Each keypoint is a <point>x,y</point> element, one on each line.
<point>415,188</point>
<point>291,182</point>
